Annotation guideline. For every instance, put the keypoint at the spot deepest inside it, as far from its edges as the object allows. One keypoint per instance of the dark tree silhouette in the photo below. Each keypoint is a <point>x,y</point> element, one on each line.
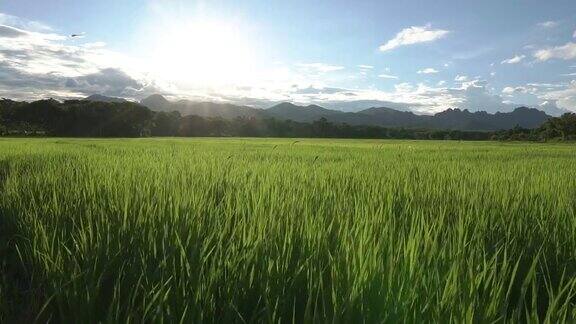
<point>84,118</point>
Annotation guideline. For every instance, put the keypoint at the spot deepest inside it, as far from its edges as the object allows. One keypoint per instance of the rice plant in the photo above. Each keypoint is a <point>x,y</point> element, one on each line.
<point>278,231</point>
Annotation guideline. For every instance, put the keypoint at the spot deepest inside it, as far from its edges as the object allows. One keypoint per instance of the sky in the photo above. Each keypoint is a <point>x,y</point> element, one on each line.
<point>420,56</point>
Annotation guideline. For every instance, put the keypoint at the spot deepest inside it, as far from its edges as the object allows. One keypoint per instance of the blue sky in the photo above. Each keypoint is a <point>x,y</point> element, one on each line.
<point>411,55</point>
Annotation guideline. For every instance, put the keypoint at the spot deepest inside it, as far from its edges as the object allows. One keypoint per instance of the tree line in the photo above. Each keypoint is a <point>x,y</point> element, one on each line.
<point>561,128</point>
<point>80,118</point>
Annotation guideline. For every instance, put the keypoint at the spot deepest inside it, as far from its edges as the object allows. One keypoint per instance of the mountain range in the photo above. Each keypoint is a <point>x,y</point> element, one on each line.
<point>455,119</point>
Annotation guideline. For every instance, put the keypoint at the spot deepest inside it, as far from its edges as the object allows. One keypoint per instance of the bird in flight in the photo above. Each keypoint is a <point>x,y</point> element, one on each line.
<point>80,35</point>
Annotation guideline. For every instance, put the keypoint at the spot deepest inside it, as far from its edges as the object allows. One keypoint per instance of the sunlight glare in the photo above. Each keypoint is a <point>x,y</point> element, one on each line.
<point>208,52</point>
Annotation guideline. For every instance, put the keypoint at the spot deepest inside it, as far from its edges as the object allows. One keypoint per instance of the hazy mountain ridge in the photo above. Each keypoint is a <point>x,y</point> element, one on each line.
<point>204,109</point>
<point>377,116</point>
<point>297,113</point>
<point>101,98</point>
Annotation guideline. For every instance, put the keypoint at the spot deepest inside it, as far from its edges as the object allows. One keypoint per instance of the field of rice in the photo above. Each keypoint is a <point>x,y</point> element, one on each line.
<point>290,230</point>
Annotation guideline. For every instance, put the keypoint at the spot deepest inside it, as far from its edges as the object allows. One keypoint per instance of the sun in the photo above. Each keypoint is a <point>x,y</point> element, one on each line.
<point>209,53</point>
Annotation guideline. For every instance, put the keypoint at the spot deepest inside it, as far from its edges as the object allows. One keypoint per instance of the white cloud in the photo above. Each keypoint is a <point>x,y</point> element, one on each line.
<point>94,45</point>
<point>564,52</point>
<point>548,85</point>
<point>11,32</point>
<point>460,78</point>
<point>553,98</point>
<point>511,90</point>
<point>387,76</point>
<point>492,74</point>
<point>403,87</point>
<point>551,107</point>
<point>365,67</point>
<point>37,62</point>
<point>441,83</point>
<point>320,67</point>
<point>23,23</point>
<point>414,35</point>
<point>427,71</point>
<point>565,97</point>
<point>20,36</point>
<point>548,24</point>
<point>514,60</point>
<point>574,35</point>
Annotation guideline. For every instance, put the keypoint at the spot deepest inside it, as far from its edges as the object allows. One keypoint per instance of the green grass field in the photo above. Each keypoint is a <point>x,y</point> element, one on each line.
<point>235,230</point>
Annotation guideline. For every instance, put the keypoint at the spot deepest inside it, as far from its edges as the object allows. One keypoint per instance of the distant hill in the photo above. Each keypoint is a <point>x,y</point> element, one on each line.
<point>297,113</point>
<point>156,102</point>
<point>203,109</point>
<point>101,98</point>
<point>454,119</point>
<point>388,116</point>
